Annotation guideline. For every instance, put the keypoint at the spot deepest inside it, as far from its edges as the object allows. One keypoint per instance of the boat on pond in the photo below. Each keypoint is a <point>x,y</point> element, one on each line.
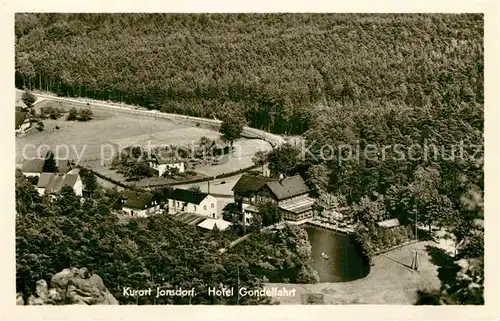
<point>324,256</point>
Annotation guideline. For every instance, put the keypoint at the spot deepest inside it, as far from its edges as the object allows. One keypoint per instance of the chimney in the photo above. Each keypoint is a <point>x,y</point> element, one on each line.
<point>281,178</point>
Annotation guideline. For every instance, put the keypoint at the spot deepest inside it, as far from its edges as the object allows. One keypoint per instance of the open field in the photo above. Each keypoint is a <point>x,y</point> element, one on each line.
<point>390,281</point>
<point>96,142</point>
<point>112,129</point>
<point>95,139</point>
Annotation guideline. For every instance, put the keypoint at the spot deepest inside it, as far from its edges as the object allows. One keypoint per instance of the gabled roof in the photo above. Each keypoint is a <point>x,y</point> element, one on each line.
<point>250,184</point>
<point>45,179</point>
<point>33,165</point>
<point>187,196</point>
<point>210,223</point>
<point>139,201</point>
<point>53,183</point>
<point>298,206</point>
<point>20,118</point>
<point>288,187</point>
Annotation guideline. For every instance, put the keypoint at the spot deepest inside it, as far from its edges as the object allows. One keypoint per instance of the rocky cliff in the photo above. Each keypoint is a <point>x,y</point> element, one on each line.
<point>70,286</point>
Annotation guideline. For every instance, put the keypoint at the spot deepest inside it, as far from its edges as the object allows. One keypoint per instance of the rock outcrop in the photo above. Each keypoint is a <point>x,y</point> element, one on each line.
<point>71,286</point>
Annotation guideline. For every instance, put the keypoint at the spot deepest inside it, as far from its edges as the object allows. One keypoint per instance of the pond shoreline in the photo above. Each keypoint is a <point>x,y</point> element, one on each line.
<point>335,256</point>
<point>390,281</point>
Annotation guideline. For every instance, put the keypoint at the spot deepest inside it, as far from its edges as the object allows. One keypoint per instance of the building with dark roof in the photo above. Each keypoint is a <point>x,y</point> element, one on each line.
<point>182,200</point>
<point>63,165</point>
<point>287,188</point>
<point>210,224</point>
<point>249,185</point>
<point>161,164</point>
<point>291,194</point>
<point>52,183</point>
<point>140,204</point>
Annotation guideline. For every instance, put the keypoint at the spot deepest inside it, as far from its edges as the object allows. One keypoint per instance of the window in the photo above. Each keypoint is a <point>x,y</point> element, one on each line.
<point>194,207</point>
<point>213,205</point>
<point>205,207</point>
<point>213,215</point>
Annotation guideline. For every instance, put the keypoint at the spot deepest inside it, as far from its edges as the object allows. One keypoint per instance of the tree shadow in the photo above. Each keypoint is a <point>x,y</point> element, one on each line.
<point>447,268</point>
<point>401,263</point>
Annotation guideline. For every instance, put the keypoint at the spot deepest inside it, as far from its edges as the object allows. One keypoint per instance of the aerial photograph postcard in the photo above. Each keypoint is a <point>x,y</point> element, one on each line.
<point>249,158</point>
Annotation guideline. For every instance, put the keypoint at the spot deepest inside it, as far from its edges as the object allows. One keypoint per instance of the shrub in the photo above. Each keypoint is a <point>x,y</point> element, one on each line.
<point>40,126</point>
<point>84,114</point>
<point>72,114</point>
<point>51,112</point>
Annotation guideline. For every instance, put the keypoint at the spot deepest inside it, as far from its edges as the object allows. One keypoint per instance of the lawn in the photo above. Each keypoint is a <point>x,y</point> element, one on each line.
<point>390,281</point>
<point>101,137</point>
<point>241,158</point>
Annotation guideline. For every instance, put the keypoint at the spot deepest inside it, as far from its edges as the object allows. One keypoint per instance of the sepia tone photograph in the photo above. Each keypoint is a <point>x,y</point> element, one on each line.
<point>249,158</point>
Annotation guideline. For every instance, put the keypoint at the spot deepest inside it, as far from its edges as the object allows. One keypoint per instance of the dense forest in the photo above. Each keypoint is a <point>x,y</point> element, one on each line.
<point>278,70</point>
<point>150,252</point>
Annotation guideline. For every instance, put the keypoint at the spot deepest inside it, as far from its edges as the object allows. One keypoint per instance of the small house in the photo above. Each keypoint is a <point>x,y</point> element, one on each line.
<point>33,167</point>
<point>161,164</point>
<point>291,194</point>
<point>181,200</point>
<point>52,183</point>
<point>140,204</point>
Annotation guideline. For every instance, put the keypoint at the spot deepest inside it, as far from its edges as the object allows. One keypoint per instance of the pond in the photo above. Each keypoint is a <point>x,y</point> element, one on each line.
<point>345,262</point>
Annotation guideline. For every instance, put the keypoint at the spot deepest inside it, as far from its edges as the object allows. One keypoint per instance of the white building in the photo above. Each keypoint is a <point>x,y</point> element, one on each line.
<point>140,204</point>
<point>52,183</point>
<point>161,164</point>
<point>181,200</point>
